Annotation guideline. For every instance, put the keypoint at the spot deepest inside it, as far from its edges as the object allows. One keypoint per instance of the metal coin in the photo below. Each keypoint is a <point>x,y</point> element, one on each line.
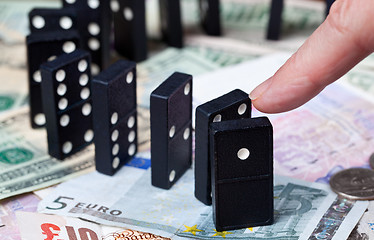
<point>354,183</point>
<point>371,161</point>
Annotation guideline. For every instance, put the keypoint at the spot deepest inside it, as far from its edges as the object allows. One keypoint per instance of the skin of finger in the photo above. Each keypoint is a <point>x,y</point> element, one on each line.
<point>343,40</point>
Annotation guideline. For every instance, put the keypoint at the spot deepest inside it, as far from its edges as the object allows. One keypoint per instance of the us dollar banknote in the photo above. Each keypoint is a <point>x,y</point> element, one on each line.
<point>248,20</point>
<point>24,161</point>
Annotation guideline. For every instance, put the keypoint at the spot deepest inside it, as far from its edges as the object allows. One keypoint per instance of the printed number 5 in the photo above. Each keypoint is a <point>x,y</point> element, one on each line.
<point>62,204</point>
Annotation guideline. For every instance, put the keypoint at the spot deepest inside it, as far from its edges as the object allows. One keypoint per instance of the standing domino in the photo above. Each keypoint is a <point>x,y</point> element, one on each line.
<point>67,103</point>
<point>210,17</point>
<point>171,22</point>
<point>50,19</point>
<point>94,25</point>
<point>233,105</point>
<point>130,38</point>
<point>171,134</point>
<point>241,152</point>
<point>43,47</point>
<point>115,116</point>
<point>275,19</point>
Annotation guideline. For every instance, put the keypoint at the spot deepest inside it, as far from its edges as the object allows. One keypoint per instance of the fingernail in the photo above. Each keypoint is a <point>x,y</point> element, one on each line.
<point>260,89</point>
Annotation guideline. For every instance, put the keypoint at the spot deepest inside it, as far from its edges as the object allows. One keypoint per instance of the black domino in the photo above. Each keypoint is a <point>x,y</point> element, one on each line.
<point>210,17</point>
<point>275,20</point>
<point>94,25</point>
<point>51,19</point>
<point>171,135</point>
<point>115,116</point>
<point>233,105</point>
<point>42,47</point>
<point>67,103</point>
<point>328,6</point>
<point>242,173</point>
<point>130,29</point>
<point>171,23</point>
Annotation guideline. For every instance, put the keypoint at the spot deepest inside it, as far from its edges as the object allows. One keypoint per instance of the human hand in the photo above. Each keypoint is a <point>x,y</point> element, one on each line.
<point>344,39</point>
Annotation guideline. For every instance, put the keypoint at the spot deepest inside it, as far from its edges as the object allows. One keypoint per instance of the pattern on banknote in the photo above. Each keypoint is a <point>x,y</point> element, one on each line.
<point>335,131</point>
<point>8,225</point>
<point>154,71</point>
<point>132,234</point>
<point>294,206</point>
<point>332,219</point>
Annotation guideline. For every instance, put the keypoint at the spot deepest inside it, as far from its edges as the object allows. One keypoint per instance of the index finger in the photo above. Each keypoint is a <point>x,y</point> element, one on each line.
<point>343,39</point>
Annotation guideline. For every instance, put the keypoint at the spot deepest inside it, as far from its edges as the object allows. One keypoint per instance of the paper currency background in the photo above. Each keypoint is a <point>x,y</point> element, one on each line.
<point>334,131</point>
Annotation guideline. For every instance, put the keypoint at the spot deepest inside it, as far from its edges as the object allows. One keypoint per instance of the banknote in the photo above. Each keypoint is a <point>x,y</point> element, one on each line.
<point>334,131</point>
<point>32,225</point>
<point>24,161</point>
<point>132,234</point>
<point>8,208</point>
<point>14,18</point>
<point>295,215</point>
<point>137,204</point>
<point>225,51</point>
<point>247,20</point>
<point>365,228</point>
<point>14,91</point>
<point>158,68</point>
<point>42,226</point>
<point>360,79</point>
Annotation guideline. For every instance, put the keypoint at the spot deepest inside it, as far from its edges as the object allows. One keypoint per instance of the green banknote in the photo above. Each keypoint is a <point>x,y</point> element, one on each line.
<point>13,76</point>
<point>158,68</point>
<point>360,79</point>
<point>248,20</point>
<point>24,162</point>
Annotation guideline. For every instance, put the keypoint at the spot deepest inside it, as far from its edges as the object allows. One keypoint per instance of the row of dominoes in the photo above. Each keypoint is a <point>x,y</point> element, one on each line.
<point>275,19</point>
<point>233,155</point>
<point>233,152</point>
<point>86,24</point>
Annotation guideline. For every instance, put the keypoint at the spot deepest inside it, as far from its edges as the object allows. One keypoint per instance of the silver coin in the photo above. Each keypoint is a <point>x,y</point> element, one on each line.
<point>354,183</point>
<point>371,161</point>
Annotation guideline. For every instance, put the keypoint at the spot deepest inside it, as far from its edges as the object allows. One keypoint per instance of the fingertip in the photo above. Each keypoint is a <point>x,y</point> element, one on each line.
<point>260,89</point>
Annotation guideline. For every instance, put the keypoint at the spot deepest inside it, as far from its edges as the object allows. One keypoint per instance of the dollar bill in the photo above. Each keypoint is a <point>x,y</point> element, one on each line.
<point>361,80</point>
<point>247,20</point>
<point>157,69</point>
<point>299,206</point>
<point>225,51</point>
<point>13,92</point>
<point>8,208</point>
<point>24,161</point>
<point>14,18</point>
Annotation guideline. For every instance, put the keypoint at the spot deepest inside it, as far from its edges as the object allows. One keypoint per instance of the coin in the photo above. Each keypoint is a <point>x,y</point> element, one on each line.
<point>371,161</point>
<point>354,183</point>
